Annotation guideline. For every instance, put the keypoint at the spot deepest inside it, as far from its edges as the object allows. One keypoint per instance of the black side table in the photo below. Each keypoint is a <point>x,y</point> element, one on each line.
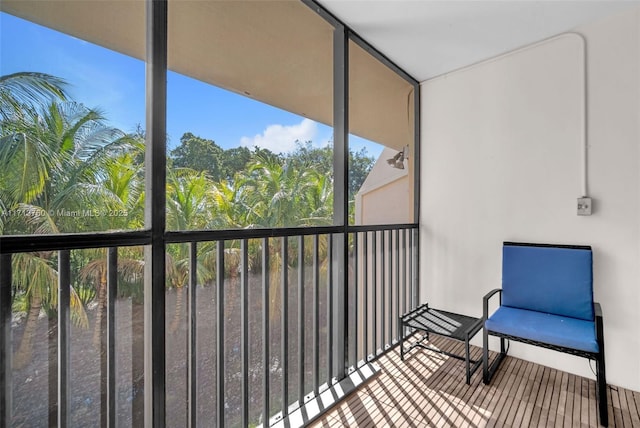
<point>443,323</point>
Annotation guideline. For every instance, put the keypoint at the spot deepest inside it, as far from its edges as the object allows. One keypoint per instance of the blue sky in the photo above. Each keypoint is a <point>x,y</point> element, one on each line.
<point>115,84</point>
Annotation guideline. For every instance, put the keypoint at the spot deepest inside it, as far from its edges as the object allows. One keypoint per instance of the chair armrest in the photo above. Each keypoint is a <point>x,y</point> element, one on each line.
<point>597,310</point>
<point>485,302</point>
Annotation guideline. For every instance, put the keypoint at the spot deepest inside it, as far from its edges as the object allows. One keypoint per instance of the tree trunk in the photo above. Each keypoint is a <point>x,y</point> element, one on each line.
<point>23,355</point>
<point>102,304</point>
<point>177,313</point>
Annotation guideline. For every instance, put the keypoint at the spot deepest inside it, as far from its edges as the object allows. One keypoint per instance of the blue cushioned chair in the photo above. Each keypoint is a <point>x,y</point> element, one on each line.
<point>547,300</point>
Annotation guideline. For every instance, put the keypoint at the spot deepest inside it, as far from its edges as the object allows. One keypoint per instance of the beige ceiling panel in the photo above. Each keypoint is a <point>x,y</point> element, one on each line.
<point>277,52</point>
<point>380,102</point>
<point>117,25</point>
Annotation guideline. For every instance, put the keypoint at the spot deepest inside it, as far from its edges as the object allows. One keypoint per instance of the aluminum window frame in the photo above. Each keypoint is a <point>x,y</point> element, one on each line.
<point>155,237</point>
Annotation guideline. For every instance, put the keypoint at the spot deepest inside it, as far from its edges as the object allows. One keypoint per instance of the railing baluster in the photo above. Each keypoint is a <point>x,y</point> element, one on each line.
<point>192,392</point>
<point>383,289</point>
<point>64,295</point>
<point>374,280</point>
<point>265,333</point>
<point>220,333</point>
<point>112,292</point>
<point>330,311</point>
<point>412,264</point>
<point>6,352</point>
<point>404,275</point>
<point>316,314</point>
<point>397,271</point>
<point>244,326</point>
<point>285,326</point>
<point>356,303</point>
<point>365,292</point>
<point>301,330</point>
<point>389,290</point>
<point>52,339</point>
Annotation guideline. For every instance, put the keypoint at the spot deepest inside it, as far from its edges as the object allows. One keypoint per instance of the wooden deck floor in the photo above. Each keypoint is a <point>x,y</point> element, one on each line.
<point>428,389</point>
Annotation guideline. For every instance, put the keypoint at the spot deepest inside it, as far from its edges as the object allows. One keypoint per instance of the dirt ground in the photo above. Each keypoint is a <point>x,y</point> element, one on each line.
<point>34,386</point>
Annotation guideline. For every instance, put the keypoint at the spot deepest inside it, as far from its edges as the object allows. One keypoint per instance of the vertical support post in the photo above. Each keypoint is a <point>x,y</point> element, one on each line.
<point>416,152</point>
<point>64,330</point>
<point>192,392</point>
<point>112,291</point>
<point>265,333</point>
<point>155,190</point>
<point>6,351</point>
<point>301,329</point>
<point>244,327</point>
<point>284,284</point>
<point>416,186</point>
<point>330,303</point>
<point>220,411</point>
<point>316,315</point>
<point>341,197</point>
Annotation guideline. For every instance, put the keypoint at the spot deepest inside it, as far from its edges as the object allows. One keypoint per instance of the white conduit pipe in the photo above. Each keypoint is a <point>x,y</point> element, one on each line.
<point>585,111</point>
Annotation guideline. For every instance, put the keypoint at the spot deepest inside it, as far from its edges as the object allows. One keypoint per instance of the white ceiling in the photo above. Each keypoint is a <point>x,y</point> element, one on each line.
<point>428,38</point>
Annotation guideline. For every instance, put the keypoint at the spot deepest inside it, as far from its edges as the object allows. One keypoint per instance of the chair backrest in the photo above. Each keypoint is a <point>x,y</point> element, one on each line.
<point>548,278</point>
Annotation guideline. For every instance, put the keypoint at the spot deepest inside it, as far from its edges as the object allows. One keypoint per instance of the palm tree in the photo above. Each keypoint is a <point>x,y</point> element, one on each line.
<point>122,179</point>
<point>78,143</point>
<point>36,277</point>
<point>189,202</point>
<point>28,90</point>
<point>21,95</point>
<point>50,165</point>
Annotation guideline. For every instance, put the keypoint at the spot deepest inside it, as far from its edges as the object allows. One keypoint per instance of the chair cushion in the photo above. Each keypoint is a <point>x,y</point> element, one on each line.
<point>548,279</point>
<point>546,328</point>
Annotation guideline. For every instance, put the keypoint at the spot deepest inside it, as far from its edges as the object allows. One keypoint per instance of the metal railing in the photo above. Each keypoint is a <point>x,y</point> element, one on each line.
<point>255,341</point>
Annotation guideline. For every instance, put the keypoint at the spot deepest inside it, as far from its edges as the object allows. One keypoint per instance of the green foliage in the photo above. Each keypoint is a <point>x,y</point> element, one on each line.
<point>58,157</point>
<point>198,154</point>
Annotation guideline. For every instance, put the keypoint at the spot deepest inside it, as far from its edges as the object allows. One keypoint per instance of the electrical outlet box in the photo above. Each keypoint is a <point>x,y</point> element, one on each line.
<point>584,206</point>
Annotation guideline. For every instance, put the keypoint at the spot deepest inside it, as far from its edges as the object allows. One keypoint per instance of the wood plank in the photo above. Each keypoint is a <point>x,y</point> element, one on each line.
<point>610,407</point>
<point>534,387</point>
<point>593,406</point>
<point>444,404</point>
<point>504,402</point>
<point>457,406</point>
<point>471,415</point>
<point>552,415</point>
<point>624,408</point>
<point>516,399</point>
<point>546,402</point>
<point>429,398</point>
<point>537,404</point>
<point>633,409</point>
<point>486,401</point>
<point>577,402</point>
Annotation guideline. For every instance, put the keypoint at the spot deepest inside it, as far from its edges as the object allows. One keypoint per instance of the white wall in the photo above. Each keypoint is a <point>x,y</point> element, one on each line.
<point>501,161</point>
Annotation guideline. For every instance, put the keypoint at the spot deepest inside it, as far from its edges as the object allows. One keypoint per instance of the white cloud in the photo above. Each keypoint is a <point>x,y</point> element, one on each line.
<point>282,138</point>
